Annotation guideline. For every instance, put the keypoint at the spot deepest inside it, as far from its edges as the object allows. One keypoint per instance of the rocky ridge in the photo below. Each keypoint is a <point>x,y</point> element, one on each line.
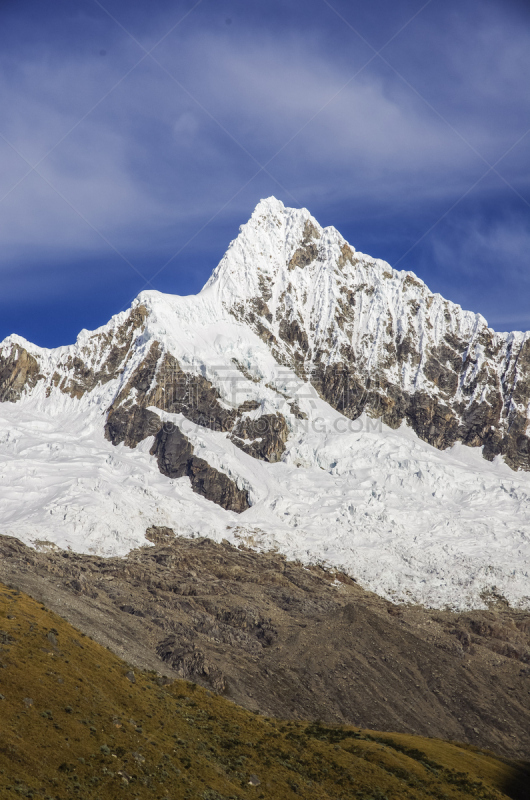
<point>371,338</point>
<point>244,393</point>
<point>298,643</point>
<point>367,337</point>
<point>78,720</point>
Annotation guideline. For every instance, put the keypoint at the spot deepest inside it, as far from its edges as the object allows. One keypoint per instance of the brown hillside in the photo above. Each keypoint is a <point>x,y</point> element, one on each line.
<point>294,642</point>
<point>76,722</point>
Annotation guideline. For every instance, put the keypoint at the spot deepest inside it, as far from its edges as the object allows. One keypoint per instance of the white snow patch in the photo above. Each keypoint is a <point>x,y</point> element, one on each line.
<point>408,521</point>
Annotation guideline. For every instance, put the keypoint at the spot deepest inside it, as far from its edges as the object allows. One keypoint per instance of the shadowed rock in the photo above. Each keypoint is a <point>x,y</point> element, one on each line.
<point>266,436</point>
<point>175,457</point>
<point>131,425</point>
<point>174,454</point>
<point>18,371</point>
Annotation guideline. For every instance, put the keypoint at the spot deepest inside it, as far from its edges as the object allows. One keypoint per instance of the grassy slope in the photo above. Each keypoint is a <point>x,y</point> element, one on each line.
<point>90,732</point>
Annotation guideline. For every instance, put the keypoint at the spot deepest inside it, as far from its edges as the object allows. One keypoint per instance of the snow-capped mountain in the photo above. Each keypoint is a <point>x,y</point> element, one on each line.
<point>310,399</point>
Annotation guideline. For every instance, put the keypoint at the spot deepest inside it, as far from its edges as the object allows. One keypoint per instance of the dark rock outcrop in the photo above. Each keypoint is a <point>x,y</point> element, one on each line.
<point>159,381</point>
<point>19,371</point>
<point>191,663</point>
<point>308,250</point>
<point>174,453</point>
<point>266,436</point>
<point>102,359</point>
<point>141,380</point>
<point>190,394</point>
<point>131,425</point>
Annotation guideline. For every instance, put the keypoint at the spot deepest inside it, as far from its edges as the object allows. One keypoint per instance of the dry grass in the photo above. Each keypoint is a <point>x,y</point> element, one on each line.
<point>73,725</point>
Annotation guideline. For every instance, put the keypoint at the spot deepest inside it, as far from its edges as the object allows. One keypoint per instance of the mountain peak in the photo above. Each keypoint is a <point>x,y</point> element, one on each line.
<point>298,350</point>
<point>267,206</point>
<point>264,249</point>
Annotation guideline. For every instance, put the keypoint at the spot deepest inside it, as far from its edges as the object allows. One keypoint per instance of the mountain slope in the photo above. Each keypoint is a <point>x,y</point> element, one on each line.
<point>306,389</point>
<point>292,642</point>
<point>372,338</point>
<point>76,720</point>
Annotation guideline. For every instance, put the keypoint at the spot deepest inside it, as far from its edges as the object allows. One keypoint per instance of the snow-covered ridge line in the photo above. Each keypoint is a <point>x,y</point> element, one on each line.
<point>323,308</point>
<point>372,424</point>
<point>403,353</point>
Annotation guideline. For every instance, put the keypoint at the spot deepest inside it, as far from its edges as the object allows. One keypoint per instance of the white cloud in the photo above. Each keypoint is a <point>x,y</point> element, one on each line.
<point>149,159</point>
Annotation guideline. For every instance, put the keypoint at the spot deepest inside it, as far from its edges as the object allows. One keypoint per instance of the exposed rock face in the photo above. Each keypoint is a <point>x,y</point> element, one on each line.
<point>175,457</point>
<point>101,359</point>
<point>266,436</point>
<point>369,338</point>
<point>131,425</point>
<point>95,360</point>
<point>173,451</point>
<point>190,663</point>
<point>190,394</point>
<point>18,371</point>
<point>117,348</point>
<point>159,381</point>
<point>174,454</point>
<point>294,642</point>
<point>308,249</point>
<point>372,339</point>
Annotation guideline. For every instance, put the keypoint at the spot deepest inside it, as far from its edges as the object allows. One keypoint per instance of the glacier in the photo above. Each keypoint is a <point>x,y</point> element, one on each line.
<point>437,525</point>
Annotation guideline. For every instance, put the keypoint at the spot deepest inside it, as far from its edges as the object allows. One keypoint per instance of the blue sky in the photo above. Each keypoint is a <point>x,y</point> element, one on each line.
<point>135,139</point>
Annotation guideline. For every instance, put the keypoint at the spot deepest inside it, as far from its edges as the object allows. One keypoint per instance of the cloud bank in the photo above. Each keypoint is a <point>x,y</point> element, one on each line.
<point>135,156</point>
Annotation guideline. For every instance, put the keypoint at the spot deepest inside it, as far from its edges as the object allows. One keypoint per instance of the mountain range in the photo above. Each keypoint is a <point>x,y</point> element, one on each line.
<point>310,400</point>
